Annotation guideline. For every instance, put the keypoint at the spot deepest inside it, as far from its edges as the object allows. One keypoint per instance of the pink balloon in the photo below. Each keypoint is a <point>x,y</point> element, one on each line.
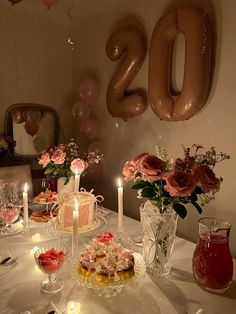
<point>88,128</point>
<point>14,1</point>
<point>49,3</point>
<point>89,90</point>
<point>94,172</point>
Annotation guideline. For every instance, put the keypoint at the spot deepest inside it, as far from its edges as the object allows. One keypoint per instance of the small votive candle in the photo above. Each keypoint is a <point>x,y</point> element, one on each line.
<point>36,237</point>
<point>73,307</point>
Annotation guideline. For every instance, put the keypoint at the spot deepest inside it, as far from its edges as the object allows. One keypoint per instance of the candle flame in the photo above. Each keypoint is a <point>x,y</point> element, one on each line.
<point>76,204</point>
<point>119,182</point>
<point>25,187</point>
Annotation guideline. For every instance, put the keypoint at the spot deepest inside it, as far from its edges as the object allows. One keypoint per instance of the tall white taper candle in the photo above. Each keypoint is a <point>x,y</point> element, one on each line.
<point>75,229</point>
<point>77,180</point>
<point>25,207</point>
<point>120,205</point>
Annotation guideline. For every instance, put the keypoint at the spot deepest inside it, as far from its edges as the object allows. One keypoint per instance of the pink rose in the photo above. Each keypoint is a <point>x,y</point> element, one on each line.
<point>205,178</point>
<point>44,159</point>
<point>78,165</point>
<point>105,237</point>
<point>61,147</point>
<point>180,183</point>
<point>131,167</point>
<point>151,168</point>
<point>58,157</point>
<point>129,170</point>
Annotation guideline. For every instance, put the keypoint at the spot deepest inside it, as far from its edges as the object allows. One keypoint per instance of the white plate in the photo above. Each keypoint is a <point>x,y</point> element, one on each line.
<point>13,230</point>
<point>115,288</point>
<point>53,226</point>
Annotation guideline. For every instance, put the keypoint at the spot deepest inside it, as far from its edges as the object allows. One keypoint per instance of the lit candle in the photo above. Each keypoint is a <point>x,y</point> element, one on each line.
<point>36,237</point>
<point>120,205</point>
<point>75,229</point>
<point>25,207</point>
<point>73,307</point>
<point>77,180</point>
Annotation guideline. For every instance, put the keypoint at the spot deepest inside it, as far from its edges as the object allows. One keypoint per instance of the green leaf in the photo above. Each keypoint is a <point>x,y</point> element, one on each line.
<point>148,192</point>
<point>180,210</point>
<point>48,171</point>
<point>166,202</point>
<point>139,185</point>
<point>199,209</point>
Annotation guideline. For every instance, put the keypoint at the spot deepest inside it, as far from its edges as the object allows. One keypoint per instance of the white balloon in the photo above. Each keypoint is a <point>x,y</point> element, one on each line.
<point>80,110</point>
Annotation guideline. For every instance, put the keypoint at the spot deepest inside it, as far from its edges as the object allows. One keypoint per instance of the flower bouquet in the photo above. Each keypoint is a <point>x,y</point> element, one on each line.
<point>176,181</point>
<point>6,141</point>
<point>65,160</point>
<point>169,184</point>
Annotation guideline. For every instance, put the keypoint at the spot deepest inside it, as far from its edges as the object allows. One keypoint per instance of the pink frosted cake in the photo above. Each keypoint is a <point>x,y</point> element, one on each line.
<point>86,204</point>
<point>105,258</point>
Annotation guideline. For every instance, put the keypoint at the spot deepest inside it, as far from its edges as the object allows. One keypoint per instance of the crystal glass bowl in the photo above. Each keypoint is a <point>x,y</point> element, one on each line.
<point>113,289</point>
<point>50,259</point>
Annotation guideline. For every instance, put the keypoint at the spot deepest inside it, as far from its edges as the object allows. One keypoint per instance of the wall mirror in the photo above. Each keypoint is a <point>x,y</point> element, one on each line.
<point>33,127</point>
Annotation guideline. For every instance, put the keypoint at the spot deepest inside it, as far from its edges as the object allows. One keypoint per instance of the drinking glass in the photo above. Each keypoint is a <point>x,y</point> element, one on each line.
<point>50,263</point>
<point>10,204</point>
<point>212,261</point>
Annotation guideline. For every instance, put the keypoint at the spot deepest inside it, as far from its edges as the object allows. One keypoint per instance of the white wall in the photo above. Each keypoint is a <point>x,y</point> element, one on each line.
<point>35,60</point>
<point>39,70</point>
<point>214,125</point>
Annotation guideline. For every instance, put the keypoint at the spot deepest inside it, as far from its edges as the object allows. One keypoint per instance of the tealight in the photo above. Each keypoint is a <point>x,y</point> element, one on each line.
<point>36,237</point>
<point>73,307</point>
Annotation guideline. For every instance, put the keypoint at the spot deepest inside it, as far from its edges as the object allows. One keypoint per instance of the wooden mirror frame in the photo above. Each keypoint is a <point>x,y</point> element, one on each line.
<point>8,128</point>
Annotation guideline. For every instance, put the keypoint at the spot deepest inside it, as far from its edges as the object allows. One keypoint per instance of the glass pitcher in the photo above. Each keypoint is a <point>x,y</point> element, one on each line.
<point>212,261</point>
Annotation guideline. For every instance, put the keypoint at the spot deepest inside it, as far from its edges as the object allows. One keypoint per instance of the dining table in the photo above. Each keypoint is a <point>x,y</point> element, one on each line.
<point>178,293</point>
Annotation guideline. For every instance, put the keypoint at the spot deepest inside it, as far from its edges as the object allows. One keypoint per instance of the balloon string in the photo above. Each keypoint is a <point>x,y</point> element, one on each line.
<point>15,51</point>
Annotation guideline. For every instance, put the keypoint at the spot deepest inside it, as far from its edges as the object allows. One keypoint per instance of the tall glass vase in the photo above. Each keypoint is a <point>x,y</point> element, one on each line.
<point>69,187</point>
<point>159,232</point>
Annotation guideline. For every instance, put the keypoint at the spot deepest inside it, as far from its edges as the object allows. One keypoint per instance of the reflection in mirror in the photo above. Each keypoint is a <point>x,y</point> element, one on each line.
<point>33,127</point>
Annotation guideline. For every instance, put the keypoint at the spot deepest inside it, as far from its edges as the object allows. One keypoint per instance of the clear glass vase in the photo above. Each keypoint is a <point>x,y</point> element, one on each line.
<point>212,260</point>
<point>159,232</point>
<point>69,187</point>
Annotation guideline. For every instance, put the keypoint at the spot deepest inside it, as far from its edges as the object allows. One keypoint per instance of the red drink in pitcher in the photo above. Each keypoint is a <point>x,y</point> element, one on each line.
<point>212,260</point>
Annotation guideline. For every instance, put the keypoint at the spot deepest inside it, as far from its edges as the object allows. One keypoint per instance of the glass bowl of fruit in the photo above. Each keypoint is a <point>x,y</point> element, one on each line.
<point>50,258</point>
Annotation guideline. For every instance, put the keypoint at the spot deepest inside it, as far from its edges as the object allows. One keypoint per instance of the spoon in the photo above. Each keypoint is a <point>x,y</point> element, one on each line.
<point>5,260</point>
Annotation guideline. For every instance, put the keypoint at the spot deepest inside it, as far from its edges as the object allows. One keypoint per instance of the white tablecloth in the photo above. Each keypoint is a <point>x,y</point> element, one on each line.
<point>20,290</point>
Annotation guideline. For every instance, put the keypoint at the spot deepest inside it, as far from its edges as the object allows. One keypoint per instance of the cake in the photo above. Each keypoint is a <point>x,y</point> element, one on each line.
<point>107,260</point>
<point>86,206</point>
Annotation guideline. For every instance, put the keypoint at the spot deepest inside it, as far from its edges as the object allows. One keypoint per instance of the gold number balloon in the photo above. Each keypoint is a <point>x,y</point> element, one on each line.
<point>128,43</point>
<point>193,23</point>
